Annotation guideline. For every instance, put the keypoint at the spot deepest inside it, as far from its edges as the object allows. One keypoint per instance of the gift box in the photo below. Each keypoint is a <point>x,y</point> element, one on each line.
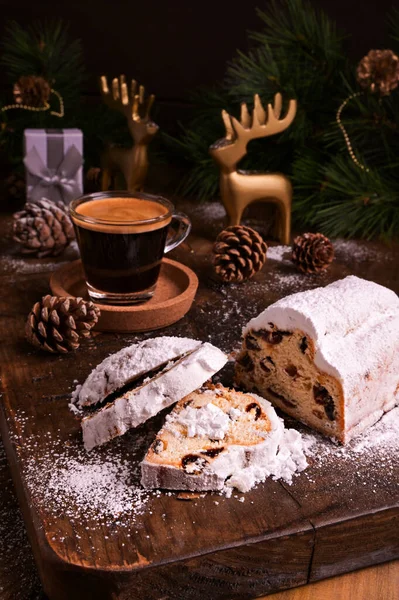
<point>54,164</point>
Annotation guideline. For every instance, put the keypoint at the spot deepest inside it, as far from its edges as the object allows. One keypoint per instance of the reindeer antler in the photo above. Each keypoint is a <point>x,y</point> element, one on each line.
<point>262,123</point>
<point>132,105</point>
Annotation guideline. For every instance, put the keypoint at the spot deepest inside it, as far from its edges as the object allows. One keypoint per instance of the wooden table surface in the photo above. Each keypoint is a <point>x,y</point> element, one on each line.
<point>19,579</point>
<point>18,575</point>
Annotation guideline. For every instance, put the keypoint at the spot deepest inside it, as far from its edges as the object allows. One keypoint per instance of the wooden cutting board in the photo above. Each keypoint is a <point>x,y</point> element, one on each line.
<point>341,514</point>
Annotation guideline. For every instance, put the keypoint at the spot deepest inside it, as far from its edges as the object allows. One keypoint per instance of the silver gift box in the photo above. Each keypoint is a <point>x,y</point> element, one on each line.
<point>53,164</point>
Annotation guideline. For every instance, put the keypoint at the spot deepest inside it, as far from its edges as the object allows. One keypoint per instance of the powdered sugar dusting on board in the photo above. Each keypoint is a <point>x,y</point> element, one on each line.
<point>227,307</point>
<point>279,253</point>
<point>290,282</point>
<point>356,250</point>
<point>104,487</point>
<point>107,484</point>
<point>378,441</point>
<point>353,250</point>
<point>371,459</point>
<point>11,265</point>
<point>208,210</point>
<point>101,487</point>
<point>17,263</point>
<point>383,437</point>
<point>363,475</point>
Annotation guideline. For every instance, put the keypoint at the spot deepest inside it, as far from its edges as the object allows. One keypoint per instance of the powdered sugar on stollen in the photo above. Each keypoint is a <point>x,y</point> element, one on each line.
<point>354,325</point>
<point>273,452</point>
<point>207,421</point>
<point>330,315</point>
<point>364,458</point>
<point>131,362</point>
<point>135,407</point>
<point>280,456</point>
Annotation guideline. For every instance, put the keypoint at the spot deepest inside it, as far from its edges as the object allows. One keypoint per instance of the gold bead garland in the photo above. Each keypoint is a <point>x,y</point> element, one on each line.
<point>61,112</point>
<point>26,107</point>
<point>345,133</point>
<point>43,108</point>
<point>377,72</point>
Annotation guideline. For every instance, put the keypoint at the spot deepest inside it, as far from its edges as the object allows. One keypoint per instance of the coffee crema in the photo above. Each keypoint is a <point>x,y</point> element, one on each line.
<point>122,215</point>
<point>122,248</point>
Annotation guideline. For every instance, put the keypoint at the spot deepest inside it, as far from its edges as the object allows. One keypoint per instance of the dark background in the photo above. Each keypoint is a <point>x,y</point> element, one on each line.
<point>174,46</point>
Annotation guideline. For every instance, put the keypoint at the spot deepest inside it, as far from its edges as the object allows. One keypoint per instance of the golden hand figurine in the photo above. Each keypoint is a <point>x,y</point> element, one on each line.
<point>238,188</point>
<point>131,162</point>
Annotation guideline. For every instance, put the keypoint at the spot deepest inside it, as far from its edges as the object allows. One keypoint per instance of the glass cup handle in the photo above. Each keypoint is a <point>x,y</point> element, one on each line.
<point>181,233</point>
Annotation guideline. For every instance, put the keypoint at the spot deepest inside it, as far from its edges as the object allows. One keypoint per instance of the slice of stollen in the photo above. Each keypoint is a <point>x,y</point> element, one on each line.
<point>129,364</point>
<point>155,393</point>
<point>217,437</point>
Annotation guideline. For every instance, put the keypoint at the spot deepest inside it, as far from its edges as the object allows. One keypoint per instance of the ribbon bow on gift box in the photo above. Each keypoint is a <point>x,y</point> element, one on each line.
<point>62,180</point>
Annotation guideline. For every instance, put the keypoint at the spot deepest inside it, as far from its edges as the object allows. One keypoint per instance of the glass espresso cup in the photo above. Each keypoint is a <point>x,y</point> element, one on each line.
<point>122,237</point>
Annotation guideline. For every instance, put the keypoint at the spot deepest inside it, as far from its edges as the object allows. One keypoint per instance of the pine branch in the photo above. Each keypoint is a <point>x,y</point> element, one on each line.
<point>299,53</point>
<point>44,49</point>
<point>294,24</point>
<point>352,202</point>
<point>202,178</point>
<point>296,43</point>
<point>372,123</point>
<point>308,182</point>
<point>393,26</point>
<point>306,65</point>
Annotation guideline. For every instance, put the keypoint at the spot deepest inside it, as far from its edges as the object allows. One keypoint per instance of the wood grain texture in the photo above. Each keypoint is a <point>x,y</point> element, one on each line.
<point>289,535</point>
<point>373,583</point>
<point>22,583</point>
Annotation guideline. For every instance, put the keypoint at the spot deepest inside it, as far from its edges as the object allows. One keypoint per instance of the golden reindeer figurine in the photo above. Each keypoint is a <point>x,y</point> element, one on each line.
<point>238,188</point>
<point>131,162</point>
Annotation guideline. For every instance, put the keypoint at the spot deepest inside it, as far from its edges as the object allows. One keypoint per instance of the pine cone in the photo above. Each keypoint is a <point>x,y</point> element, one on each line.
<point>31,91</point>
<point>378,71</point>
<point>240,252</point>
<point>56,324</point>
<point>312,252</point>
<point>43,228</point>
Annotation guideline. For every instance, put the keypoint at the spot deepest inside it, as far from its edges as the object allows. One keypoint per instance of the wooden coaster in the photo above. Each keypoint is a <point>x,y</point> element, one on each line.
<point>174,294</point>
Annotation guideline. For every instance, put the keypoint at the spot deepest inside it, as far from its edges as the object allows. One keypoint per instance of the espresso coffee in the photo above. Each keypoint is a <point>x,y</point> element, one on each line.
<point>122,247</point>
